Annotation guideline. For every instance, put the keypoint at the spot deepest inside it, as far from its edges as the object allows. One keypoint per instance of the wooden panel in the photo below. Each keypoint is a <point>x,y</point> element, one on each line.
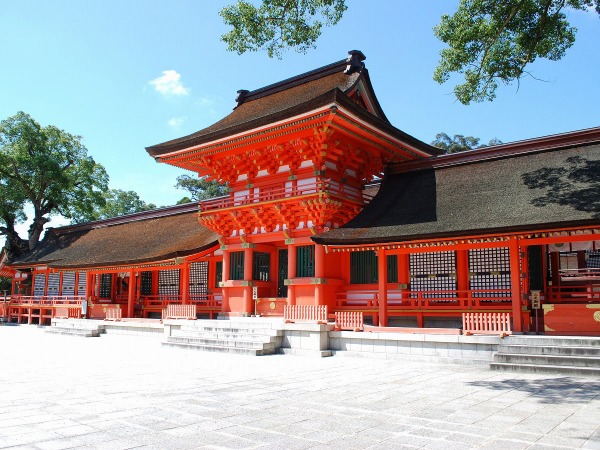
<point>572,319</point>
<point>68,284</point>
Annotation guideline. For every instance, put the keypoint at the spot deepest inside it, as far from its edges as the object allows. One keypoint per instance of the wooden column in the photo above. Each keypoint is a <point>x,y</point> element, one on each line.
<point>225,276</point>
<point>382,275</point>
<point>248,257</point>
<point>131,294</point>
<point>319,273</point>
<point>291,292</point>
<point>184,285</point>
<point>515,285</point>
<point>89,286</point>
<point>462,272</point>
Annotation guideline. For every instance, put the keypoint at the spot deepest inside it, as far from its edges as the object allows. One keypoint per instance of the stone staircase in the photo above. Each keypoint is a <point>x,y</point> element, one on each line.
<point>74,327</point>
<point>244,336</point>
<point>579,356</point>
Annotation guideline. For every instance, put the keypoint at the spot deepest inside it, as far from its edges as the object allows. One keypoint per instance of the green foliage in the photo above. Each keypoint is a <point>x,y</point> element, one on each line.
<point>491,42</point>
<point>460,143</point>
<point>49,169</point>
<point>5,285</point>
<point>183,200</point>
<point>199,188</point>
<point>116,203</point>
<point>278,24</point>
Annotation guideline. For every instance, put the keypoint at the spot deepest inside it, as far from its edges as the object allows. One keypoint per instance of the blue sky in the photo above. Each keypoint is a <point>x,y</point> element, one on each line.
<point>88,67</point>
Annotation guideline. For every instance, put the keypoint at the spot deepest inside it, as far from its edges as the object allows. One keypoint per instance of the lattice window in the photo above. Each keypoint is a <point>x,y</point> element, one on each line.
<point>593,260</point>
<point>106,285</point>
<point>168,282</point>
<point>68,284</point>
<point>199,280</point>
<point>261,266</point>
<point>82,283</point>
<point>433,271</point>
<point>236,266</point>
<point>146,283</point>
<point>53,284</point>
<point>305,261</point>
<point>489,269</point>
<point>39,285</point>
<point>218,273</point>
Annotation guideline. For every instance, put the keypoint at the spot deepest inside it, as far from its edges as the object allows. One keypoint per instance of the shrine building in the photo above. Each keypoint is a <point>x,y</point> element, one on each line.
<point>330,204</point>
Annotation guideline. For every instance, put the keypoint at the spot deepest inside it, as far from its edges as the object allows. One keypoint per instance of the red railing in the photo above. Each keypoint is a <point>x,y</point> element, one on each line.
<point>162,301</point>
<point>486,323</point>
<point>275,193</point>
<point>305,313</point>
<point>571,293</point>
<point>44,300</point>
<point>480,298</point>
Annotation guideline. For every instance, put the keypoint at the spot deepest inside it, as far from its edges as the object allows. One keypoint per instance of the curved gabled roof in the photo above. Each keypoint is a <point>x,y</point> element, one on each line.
<point>146,237</point>
<point>291,97</point>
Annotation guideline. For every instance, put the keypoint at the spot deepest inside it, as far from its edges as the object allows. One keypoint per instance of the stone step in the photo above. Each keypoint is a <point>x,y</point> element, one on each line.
<point>538,368</point>
<point>221,334</point>
<point>225,342</point>
<point>217,325</point>
<point>553,341</point>
<point>549,350</point>
<point>81,332</point>
<point>216,348</point>
<point>550,360</point>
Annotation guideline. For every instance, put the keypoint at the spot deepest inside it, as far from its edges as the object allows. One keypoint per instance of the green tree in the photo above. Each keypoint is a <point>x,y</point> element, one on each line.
<point>460,143</point>
<point>5,286</point>
<point>278,24</point>
<point>199,188</point>
<point>116,203</point>
<point>48,169</point>
<point>489,41</point>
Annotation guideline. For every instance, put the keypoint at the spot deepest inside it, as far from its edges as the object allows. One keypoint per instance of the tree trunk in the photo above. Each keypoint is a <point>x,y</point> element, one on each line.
<point>35,231</point>
<point>15,245</point>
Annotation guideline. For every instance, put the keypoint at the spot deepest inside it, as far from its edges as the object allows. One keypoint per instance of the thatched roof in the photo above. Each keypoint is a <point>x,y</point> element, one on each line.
<point>538,184</point>
<point>145,237</point>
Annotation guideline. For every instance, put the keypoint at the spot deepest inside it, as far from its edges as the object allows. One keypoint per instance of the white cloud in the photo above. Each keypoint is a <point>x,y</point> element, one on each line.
<point>176,122</point>
<point>169,84</point>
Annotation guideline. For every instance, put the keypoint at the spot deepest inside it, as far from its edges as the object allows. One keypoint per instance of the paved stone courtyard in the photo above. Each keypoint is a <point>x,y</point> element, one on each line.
<point>119,392</point>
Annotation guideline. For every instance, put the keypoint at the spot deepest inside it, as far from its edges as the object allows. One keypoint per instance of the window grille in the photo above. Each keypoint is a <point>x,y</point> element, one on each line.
<point>168,282</point>
<point>105,285</point>
<point>236,266</point>
<point>82,283</point>
<point>305,261</point>
<point>593,260</point>
<point>146,283</point>
<point>392,263</point>
<point>68,284</point>
<point>199,280</point>
<point>282,273</point>
<point>261,266</point>
<point>363,267</point>
<point>53,284</point>
<point>39,285</point>
<point>433,271</point>
<point>218,273</point>
<point>489,269</point>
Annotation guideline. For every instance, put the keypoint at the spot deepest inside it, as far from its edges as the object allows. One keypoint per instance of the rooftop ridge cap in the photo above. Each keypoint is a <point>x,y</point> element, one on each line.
<point>587,136</point>
<point>127,218</point>
<point>293,81</point>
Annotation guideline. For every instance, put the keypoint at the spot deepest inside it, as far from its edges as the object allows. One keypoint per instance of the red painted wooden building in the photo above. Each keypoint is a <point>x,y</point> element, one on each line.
<point>491,230</point>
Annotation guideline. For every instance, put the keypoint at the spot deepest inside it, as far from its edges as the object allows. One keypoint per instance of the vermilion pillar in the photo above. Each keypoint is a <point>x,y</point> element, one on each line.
<point>383,276</point>
<point>319,273</point>
<point>515,285</point>
<point>248,257</point>
<point>225,276</point>
<point>131,294</point>
<point>185,283</point>
<point>291,292</point>
<point>462,272</point>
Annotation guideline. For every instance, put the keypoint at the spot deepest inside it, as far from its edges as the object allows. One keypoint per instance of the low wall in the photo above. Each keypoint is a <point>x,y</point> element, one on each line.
<point>420,347</point>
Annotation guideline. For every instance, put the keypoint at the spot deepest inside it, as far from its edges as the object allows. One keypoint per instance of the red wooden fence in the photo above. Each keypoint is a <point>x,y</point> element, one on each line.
<point>486,323</point>
<point>305,313</point>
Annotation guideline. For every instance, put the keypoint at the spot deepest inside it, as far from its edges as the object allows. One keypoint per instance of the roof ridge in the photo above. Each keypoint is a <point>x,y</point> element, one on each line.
<point>164,211</point>
<point>349,64</point>
<point>588,136</point>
